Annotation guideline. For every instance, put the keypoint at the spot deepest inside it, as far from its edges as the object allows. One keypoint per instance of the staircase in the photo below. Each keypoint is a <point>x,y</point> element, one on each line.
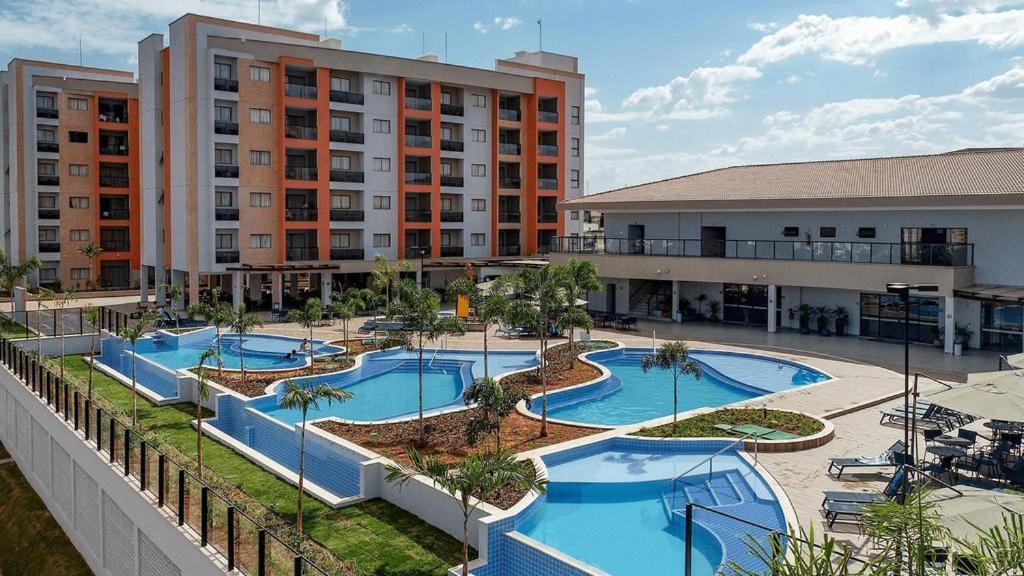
<point>652,300</point>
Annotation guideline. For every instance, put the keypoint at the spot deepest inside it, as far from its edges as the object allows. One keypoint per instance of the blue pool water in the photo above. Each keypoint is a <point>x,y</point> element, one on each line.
<point>260,351</point>
<point>630,396</point>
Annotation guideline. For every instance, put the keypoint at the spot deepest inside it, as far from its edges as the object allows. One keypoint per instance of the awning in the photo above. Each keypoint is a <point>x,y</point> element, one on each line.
<point>991,292</point>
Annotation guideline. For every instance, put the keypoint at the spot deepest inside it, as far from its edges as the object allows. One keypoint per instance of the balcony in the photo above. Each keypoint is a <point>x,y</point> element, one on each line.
<point>509,149</point>
<point>508,250</point>
<point>225,171</point>
<point>550,117</point>
<point>49,247</point>
<point>347,176</point>
<point>49,214</point>
<point>452,181</point>
<point>417,251</point>
<point>547,150</point>
<point>451,216</point>
<point>47,113</point>
<point>418,215</point>
<point>348,254</point>
<point>453,145</point>
<point>509,183</point>
<point>51,147</point>
<point>301,214</point>
<point>418,103</point>
<point>547,217</point>
<point>452,110</point>
<point>547,183</point>
<point>225,84</point>
<point>226,214</point>
<point>417,141</point>
<point>345,215</point>
<point>122,150</point>
<point>48,180</point>
<point>346,97</point>
<point>417,178</point>
<point>300,91</point>
<point>347,137</point>
<point>300,173</point>
<point>508,114</point>
<point>114,116</point>
<point>451,251</point>
<point>118,214</point>
<point>300,132</point>
<point>110,245</point>
<point>510,217</point>
<point>226,256</point>
<point>229,128</point>
<point>304,253</point>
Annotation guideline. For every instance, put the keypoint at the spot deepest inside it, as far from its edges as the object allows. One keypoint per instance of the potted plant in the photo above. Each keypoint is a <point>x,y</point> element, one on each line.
<point>842,317</point>
<point>804,312</point>
<point>713,310</point>
<point>700,304</point>
<point>824,316</point>
<point>963,335</point>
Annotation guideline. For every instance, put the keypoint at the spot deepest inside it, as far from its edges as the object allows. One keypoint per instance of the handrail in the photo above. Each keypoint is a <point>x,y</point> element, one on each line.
<point>712,457</point>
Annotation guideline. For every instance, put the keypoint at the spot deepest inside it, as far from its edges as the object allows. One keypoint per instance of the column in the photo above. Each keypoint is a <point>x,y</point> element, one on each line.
<point>325,288</point>
<point>772,294</point>
<point>255,287</point>
<point>276,289</point>
<point>949,331</point>
<point>237,290</point>
<point>178,279</point>
<point>144,284</point>
<point>676,288</point>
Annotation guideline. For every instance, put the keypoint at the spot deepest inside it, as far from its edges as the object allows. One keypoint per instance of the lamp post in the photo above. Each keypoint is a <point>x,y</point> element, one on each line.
<point>422,254</point>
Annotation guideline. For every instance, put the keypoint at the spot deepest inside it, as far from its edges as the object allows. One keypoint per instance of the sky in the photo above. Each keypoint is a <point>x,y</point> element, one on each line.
<point>673,86</point>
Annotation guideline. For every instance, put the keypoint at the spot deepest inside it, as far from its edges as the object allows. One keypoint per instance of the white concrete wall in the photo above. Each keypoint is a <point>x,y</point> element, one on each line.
<point>78,344</point>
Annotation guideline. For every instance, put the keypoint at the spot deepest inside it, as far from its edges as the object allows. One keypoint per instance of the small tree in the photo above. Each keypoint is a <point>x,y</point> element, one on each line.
<point>217,313</point>
<point>384,276</point>
<point>131,333</point>
<point>297,397</point>
<point>906,530</point>
<point>571,318</point>
<point>12,275</point>
<point>175,292</point>
<point>92,314</point>
<point>202,395</point>
<point>490,305</point>
<point>347,304</point>
<point>581,280</point>
<point>673,356</point>
<point>243,323</point>
<point>91,250</point>
<point>495,403</point>
<point>802,555</point>
<point>475,479</point>
<point>309,316</point>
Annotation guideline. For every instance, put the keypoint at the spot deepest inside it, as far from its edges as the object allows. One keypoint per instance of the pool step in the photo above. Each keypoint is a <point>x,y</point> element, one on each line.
<point>726,488</point>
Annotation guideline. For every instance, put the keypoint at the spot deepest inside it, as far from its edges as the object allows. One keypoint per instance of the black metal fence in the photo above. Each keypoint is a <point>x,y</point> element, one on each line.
<point>247,545</point>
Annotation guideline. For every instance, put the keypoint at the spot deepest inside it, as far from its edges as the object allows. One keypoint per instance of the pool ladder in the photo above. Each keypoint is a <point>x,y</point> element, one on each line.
<point>710,460</point>
<point>444,345</point>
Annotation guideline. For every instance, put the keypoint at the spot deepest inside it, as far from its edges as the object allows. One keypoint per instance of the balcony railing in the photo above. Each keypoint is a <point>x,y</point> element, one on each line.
<point>452,181</point>
<point>300,173</point>
<point>348,254</point>
<point>122,150</point>
<point>347,176</point>
<point>300,132</point>
<point>551,117</point>
<point>118,214</point>
<point>49,247</point>
<point>347,137</point>
<point>856,252</point>
<point>346,97</point>
<point>511,183</point>
<point>303,253</point>
<point>547,217</point>
<point>453,145</point>
<point>229,128</point>
<point>226,214</point>
<point>451,251</point>
<point>46,113</point>
<point>115,245</point>
<point>345,215</point>
<point>452,216</point>
<point>226,256</point>
<point>225,84</point>
<point>547,183</point>
<point>418,215</point>
<point>300,91</point>
<point>48,180</point>
<point>510,217</point>
<point>225,171</point>
<point>508,114</point>
<point>417,178</point>
<point>452,109</point>
<point>53,147</point>
<point>509,148</point>
<point>547,150</point>
<point>417,252</point>
<point>417,141</point>
<point>113,181</point>
<point>301,214</point>
<point>508,250</point>
<point>49,214</point>
<point>113,116</point>
<point>418,103</point>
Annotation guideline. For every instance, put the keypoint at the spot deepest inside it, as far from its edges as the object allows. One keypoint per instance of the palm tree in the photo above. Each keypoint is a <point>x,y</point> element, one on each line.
<point>92,314</point>
<point>243,323</point>
<point>217,313</point>
<point>674,356</point>
<point>489,304</point>
<point>131,333</point>
<point>309,316</point>
<point>495,403</point>
<point>45,295</point>
<point>91,250</point>
<point>12,275</point>
<point>471,482</point>
<point>302,398</point>
<point>571,318</point>
<point>202,395</point>
<point>582,280</point>
<point>63,301</point>
<point>347,304</point>
<point>421,308</point>
<point>175,292</point>
<point>383,277</point>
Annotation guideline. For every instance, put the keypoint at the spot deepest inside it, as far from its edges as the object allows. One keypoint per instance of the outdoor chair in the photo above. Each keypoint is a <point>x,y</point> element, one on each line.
<point>989,464</point>
<point>833,509</point>
<point>923,412</point>
<point>968,435</point>
<point>888,493</point>
<point>886,459</point>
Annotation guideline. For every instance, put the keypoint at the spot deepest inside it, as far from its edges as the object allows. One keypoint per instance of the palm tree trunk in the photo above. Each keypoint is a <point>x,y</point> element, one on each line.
<point>92,360</point>
<point>420,375</point>
<point>486,371</point>
<point>311,347</point>
<point>544,383</point>
<point>199,433</point>
<point>675,402</point>
<point>302,472</point>
<point>220,357</point>
<point>465,544</point>
<point>241,359</point>
<point>572,350</point>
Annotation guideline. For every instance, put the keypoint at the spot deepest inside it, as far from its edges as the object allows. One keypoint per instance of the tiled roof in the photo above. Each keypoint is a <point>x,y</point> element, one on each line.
<point>959,174</point>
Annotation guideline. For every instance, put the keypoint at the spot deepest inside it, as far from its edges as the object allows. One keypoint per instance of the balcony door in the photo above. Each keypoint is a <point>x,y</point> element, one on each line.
<point>635,235</point>
<point>712,241</point>
<point>934,246</point>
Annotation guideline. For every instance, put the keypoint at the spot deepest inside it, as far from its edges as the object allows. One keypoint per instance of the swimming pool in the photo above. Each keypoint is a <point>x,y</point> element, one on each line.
<point>629,396</point>
<point>260,351</point>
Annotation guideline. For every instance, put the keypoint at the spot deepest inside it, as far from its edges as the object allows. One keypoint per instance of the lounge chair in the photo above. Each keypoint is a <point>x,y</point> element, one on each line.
<point>888,493</point>
<point>884,460</point>
<point>855,509</point>
<point>510,332</point>
<point>924,413</point>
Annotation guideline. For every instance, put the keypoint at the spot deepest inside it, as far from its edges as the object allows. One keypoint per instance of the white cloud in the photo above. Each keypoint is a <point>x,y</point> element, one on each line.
<point>589,92</point>
<point>662,127</point>
<point>1009,84</point>
<point>499,23</point>
<point>763,26</point>
<point>701,94</point>
<point>480,27</point>
<point>793,79</point>
<point>613,134</point>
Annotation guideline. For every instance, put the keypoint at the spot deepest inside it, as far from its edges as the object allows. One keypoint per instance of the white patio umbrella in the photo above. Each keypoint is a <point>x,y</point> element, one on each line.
<point>1016,360</point>
<point>991,395</point>
<point>977,509</point>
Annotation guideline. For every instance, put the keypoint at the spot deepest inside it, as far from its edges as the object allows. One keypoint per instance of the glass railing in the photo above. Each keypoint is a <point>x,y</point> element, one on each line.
<point>509,149</point>
<point>550,117</point>
<point>226,214</point>
<point>508,250</point>
<point>418,215</point>
<point>229,128</point>
<point>345,215</point>
<point>547,150</point>
<point>113,181</point>
<point>508,114</point>
<point>347,254</point>
<point>451,251</point>
<point>510,183</point>
<point>452,145</point>
<point>225,170</point>
<point>301,214</point>
<point>452,216</point>
<point>418,103</point>
<point>300,132</point>
<point>417,141</point>
<point>510,217</point>
<point>119,214</point>
<point>346,97</point>
<point>417,178</point>
<point>300,91</point>
<point>300,173</point>
<point>227,256</point>
<point>547,183</point>
<point>225,84</point>
<point>52,147</point>
<point>347,176</point>
<point>304,253</point>
<point>347,137</point>
<point>452,109</point>
<point>452,181</point>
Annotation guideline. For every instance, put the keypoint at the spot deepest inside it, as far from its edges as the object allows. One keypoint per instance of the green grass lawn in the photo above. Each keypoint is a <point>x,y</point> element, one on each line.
<point>702,426</point>
<point>31,541</point>
<point>377,536</point>
<point>11,329</point>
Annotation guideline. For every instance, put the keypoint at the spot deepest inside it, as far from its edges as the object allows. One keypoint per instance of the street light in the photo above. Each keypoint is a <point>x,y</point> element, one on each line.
<point>422,254</point>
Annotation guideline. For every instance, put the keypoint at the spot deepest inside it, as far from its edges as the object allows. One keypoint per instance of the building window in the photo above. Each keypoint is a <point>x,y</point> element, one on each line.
<point>78,104</point>
<point>47,275</point>
<point>341,84</point>
<point>574,215</point>
<point>478,169</point>
<point>259,157</point>
<point>45,101</point>
<point>343,123</point>
<point>47,234</point>
<point>868,232</point>
<point>1001,326</point>
<point>382,240</point>
<point>46,169</point>
<point>225,241</point>
<point>341,202</point>
<point>478,204</point>
<point>79,235</point>
<point>446,204</point>
<point>791,231</point>
<point>382,203</point>
<point>259,241</point>
<point>48,202</point>
<point>382,164</point>
<point>382,87</point>
<point>574,117</point>
<point>446,238</point>
<point>477,239</point>
<point>78,169</point>
<point>259,74</point>
<point>341,162</point>
<point>381,126</point>
<point>827,232</point>
<point>259,115</point>
<point>343,240</point>
<point>223,156</point>
<point>45,135</point>
<point>223,114</point>
<point>222,70</point>
<point>76,137</point>
<point>479,101</point>
<point>446,168</point>
<point>446,97</point>
<point>574,178</point>
<point>260,199</point>
<point>479,135</point>
<point>80,273</point>
<point>79,202</point>
<point>223,198</point>
<point>574,148</point>
<point>881,316</point>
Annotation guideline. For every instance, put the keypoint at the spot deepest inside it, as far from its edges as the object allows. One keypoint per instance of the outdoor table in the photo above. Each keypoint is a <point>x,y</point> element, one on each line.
<point>1002,426</point>
<point>954,441</point>
<point>946,456</point>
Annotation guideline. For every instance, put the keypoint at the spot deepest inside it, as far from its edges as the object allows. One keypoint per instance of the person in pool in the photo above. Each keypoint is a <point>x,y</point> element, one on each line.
<point>306,345</point>
<point>291,355</point>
